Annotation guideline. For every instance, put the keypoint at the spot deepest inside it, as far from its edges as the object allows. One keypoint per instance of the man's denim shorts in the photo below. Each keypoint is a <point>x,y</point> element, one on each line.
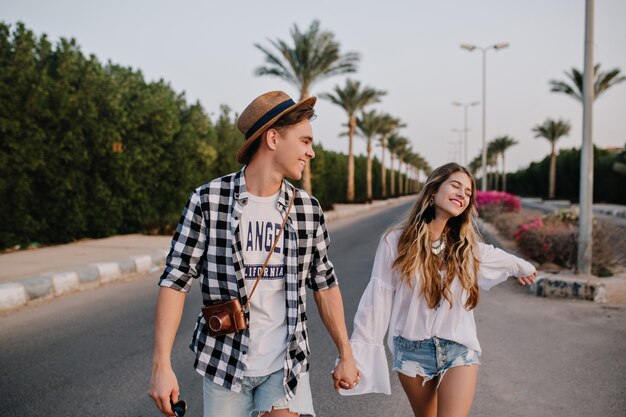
<point>430,357</point>
<point>258,396</point>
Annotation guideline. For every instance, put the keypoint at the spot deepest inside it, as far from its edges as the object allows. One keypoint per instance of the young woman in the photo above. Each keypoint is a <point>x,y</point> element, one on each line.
<point>423,289</point>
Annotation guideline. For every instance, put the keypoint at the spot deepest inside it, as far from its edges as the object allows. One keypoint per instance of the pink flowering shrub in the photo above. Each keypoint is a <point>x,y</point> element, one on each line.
<point>491,203</point>
<point>532,240</point>
<point>548,240</point>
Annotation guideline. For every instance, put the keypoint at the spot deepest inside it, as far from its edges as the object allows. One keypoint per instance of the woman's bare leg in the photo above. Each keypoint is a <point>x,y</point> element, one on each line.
<point>423,399</point>
<point>456,391</point>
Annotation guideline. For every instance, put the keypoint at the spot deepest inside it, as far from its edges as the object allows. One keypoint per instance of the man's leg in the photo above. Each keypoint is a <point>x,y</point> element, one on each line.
<point>222,402</point>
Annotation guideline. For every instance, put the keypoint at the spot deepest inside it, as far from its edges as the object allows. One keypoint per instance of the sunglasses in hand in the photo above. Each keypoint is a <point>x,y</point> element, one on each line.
<point>179,408</point>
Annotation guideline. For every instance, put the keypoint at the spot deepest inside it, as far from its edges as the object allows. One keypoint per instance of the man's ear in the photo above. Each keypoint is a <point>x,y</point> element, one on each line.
<point>270,138</point>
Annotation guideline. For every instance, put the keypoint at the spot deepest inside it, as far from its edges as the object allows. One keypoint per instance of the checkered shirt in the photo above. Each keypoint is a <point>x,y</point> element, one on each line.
<point>207,246</point>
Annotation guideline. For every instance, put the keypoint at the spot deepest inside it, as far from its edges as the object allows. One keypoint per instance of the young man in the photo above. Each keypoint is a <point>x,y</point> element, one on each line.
<point>224,237</point>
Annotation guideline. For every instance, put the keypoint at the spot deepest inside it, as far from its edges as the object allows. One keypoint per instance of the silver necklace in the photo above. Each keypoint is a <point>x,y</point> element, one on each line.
<point>438,245</point>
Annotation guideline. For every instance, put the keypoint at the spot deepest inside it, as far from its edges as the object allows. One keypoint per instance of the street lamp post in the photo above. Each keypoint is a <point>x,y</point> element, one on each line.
<point>484,50</point>
<point>458,145</point>
<point>465,106</point>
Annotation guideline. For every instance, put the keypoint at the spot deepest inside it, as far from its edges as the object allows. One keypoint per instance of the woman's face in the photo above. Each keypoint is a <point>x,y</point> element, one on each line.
<point>453,195</point>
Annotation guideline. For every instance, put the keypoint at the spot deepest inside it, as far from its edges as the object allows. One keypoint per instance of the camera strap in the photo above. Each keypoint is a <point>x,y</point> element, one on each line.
<point>280,232</point>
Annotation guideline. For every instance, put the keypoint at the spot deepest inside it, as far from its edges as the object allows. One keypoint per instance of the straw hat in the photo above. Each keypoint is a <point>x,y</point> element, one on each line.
<point>262,113</point>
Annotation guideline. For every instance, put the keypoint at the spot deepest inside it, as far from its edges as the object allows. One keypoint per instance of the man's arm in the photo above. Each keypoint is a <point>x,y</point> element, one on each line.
<point>330,306</point>
<point>164,385</point>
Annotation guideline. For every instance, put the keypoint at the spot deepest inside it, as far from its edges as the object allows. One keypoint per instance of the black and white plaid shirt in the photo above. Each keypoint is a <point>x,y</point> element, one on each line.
<point>207,245</point>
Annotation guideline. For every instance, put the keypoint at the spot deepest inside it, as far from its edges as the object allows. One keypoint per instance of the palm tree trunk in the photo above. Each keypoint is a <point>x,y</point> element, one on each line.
<point>552,187</point>
<point>306,174</point>
<point>406,178</point>
<point>392,188</point>
<point>306,178</point>
<point>503,174</point>
<point>369,169</point>
<point>383,169</point>
<point>350,192</point>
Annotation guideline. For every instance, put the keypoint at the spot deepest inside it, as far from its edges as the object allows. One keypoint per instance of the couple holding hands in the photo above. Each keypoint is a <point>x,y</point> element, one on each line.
<point>253,226</point>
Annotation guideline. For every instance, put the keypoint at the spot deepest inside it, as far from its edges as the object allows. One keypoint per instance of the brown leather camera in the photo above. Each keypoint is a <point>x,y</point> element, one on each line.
<point>224,318</point>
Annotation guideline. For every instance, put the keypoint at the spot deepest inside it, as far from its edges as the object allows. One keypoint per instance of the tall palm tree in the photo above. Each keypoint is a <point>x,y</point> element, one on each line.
<point>352,98</point>
<point>368,126</point>
<point>603,81</point>
<point>501,144</point>
<point>388,125</point>
<point>313,57</point>
<point>552,130</point>
<point>492,162</point>
<point>397,146</point>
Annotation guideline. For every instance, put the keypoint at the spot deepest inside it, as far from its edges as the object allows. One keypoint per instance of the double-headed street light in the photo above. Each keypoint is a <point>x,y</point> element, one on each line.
<point>465,106</point>
<point>471,48</point>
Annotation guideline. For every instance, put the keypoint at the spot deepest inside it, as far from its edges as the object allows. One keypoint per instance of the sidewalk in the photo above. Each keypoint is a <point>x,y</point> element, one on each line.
<point>32,275</point>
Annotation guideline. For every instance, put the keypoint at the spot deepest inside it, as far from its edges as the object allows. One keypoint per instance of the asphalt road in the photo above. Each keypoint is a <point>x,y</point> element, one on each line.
<point>89,354</point>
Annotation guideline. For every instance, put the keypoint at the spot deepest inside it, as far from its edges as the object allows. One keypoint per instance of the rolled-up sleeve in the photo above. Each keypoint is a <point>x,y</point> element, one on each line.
<point>322,274</point>
<point>497,265</point>
<point>184,261</point>
<point>371,322</point>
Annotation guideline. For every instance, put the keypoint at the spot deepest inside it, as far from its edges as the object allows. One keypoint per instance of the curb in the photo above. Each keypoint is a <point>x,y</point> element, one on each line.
<point>50,285</point>
<point>552,286</point>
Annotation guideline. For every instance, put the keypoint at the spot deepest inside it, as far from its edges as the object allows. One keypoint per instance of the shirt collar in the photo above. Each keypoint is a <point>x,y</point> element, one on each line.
<point>241,192</point>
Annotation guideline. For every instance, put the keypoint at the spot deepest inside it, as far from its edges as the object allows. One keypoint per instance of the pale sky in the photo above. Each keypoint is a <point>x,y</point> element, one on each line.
<point>411,49</point>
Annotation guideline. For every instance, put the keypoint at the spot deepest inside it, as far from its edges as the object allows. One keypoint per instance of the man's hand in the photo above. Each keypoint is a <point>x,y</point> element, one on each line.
<point>346,375</point>
<point>164,388</point>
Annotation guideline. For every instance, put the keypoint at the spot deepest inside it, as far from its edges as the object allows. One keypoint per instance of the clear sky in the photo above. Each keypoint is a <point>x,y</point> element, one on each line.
<point>411,49</point>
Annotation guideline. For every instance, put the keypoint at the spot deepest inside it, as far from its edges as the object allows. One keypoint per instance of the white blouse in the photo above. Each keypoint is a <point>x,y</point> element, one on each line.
<point>389,303</point>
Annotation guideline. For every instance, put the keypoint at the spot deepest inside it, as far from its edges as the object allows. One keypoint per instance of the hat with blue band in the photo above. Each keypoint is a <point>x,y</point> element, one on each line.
<point>262,113</point>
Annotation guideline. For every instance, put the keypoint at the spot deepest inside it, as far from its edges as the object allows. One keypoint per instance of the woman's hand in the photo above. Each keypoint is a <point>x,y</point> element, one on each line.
<point>527,280</point>
<point>346,375</point>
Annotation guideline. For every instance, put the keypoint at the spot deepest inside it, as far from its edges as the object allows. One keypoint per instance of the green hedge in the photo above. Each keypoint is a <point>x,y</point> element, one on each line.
<point>608,184</point>
<point>92,150</point>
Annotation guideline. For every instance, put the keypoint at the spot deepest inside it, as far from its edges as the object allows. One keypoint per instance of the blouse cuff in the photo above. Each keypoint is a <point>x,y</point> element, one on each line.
<point>372,363</point>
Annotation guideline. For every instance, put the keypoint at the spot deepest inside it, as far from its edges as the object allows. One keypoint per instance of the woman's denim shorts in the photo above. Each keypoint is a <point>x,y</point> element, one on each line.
<point>430,357</point>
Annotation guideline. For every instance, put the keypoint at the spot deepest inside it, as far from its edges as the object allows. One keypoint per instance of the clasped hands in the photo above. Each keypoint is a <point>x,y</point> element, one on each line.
<point>346,375</point>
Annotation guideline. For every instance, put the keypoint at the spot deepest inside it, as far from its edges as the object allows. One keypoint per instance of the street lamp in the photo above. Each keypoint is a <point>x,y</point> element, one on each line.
<point>465,106</point>
<point>471,48</point>
<point>458,146</point>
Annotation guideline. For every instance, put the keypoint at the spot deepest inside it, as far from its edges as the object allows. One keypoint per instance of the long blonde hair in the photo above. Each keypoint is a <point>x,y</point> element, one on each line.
<point>459,257</point>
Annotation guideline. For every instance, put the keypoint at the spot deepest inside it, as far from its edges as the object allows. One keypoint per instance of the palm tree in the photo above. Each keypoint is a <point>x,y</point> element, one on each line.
<point>388,125</point>
<point>396,145</point>
<point>352,98</point>
<point>492,162</point>
<point>552,130</point>
<point>501,144</point>
<point>603,81</point>
<point>313,57</point>
<point>368,126</point>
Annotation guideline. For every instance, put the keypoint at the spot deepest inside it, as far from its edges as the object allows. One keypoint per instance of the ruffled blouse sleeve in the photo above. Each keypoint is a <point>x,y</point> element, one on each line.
<point>497,265</point>
<point>371,322</point>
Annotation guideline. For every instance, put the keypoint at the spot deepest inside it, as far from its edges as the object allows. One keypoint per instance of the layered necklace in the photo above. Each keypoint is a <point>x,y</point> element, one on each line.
<point>438,248</point>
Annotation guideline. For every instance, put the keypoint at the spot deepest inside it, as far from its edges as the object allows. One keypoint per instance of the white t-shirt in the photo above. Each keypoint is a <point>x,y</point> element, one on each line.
<point>259,225</point>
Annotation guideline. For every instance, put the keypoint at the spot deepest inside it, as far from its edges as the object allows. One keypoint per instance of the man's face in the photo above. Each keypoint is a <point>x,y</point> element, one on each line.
<point>294,148</point>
